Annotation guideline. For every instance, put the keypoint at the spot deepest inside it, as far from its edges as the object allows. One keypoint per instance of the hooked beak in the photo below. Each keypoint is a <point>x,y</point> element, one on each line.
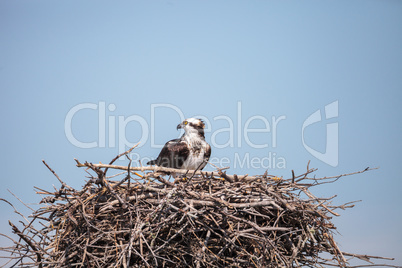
<point>179,126</point>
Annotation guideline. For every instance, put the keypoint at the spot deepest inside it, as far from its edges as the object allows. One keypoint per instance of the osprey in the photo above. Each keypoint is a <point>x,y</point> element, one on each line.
<point>191,151</point>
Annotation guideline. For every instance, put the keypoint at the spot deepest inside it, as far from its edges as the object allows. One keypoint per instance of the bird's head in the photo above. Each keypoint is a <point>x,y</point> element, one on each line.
<point>192,126</point>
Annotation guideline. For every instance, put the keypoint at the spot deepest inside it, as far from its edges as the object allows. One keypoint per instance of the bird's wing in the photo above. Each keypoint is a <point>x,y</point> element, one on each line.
<point>173,154</point>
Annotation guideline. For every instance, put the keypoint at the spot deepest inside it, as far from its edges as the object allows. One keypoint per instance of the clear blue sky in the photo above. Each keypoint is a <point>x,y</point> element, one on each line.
<point>239,64</point>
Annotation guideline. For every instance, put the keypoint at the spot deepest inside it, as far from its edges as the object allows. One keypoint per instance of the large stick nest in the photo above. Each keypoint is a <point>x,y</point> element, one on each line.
<point>159,217</point>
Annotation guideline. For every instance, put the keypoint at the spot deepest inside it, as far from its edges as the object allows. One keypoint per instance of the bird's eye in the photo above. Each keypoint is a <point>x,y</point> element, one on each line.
<point>185,122</point>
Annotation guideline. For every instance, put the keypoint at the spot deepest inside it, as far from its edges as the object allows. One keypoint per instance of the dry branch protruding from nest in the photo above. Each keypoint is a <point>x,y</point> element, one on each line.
<point>207,219</point>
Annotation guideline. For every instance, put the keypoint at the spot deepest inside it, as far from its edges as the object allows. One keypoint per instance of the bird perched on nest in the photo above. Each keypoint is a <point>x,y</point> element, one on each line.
<point>191,151</point>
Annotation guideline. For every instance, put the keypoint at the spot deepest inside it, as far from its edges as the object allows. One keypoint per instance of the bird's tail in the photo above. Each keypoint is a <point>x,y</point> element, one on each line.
<point>152,162</point>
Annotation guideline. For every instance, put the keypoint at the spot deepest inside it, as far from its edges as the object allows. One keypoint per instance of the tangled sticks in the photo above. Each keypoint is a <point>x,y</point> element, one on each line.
<point>208,219</point>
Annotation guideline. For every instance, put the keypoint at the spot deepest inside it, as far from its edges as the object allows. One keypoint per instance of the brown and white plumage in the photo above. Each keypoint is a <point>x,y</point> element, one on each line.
<point>191,151</point>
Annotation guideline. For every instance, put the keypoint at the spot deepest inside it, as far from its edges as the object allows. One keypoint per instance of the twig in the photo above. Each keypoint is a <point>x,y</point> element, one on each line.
<point>211,220</point>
